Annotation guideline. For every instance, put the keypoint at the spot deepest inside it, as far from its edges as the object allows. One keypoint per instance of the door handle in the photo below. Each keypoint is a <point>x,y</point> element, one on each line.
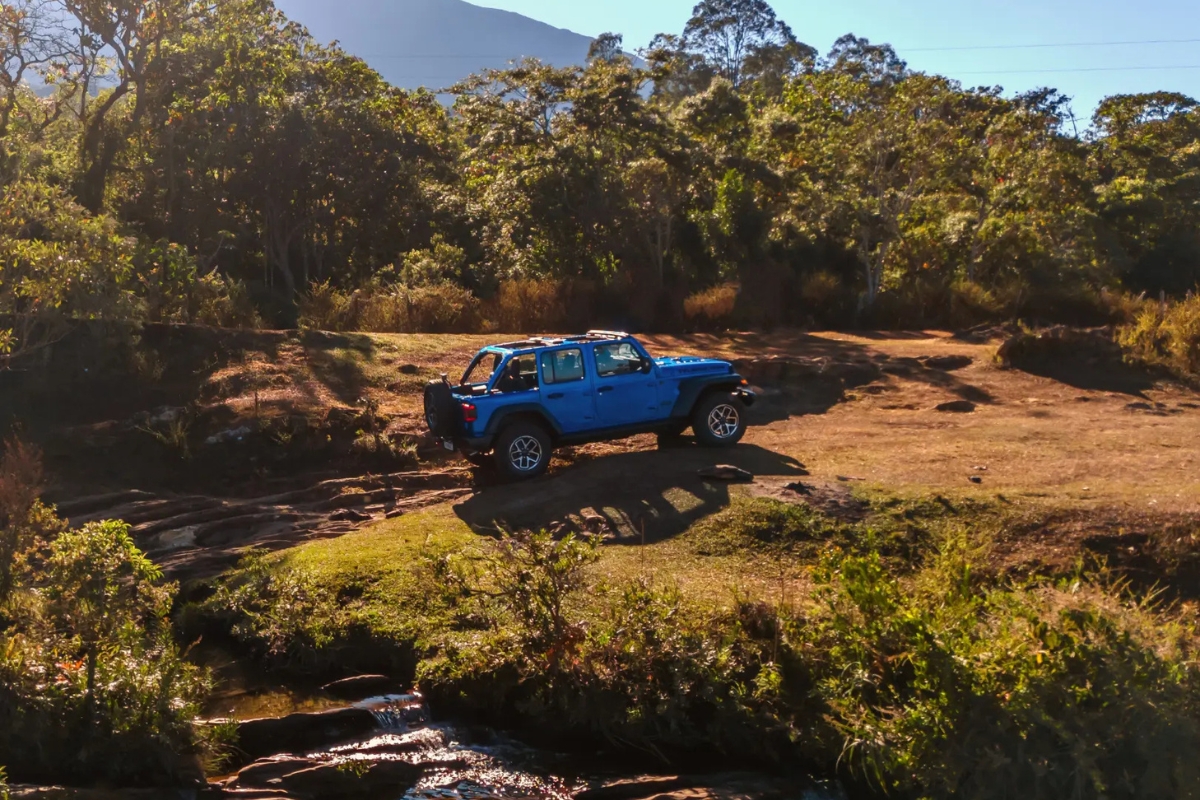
<point>604,389</point>
<point>555,396</point>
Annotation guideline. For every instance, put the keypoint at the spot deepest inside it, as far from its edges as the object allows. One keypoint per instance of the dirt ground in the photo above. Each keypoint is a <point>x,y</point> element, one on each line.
<point>1108,450</point>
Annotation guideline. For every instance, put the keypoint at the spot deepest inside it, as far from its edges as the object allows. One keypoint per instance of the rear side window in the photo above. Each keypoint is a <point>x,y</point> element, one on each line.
<point>562,366</point>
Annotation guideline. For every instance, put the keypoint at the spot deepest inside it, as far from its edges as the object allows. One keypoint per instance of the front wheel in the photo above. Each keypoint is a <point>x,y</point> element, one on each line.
<point>719,420</point>
<point>523,451</point>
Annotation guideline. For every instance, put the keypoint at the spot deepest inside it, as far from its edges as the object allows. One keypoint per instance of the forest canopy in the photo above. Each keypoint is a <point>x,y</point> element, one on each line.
<point>192,161</point>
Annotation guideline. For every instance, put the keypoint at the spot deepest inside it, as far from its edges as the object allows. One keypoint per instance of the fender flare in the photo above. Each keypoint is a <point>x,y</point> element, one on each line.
<point>692,389</point>
<point>501,416</point>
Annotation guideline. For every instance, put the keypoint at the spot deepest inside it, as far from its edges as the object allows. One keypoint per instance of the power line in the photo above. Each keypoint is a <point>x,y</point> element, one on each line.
<point>1073,69</point>
<point>1043,45</point>
<point>955,48</point>
<point>575,54</point>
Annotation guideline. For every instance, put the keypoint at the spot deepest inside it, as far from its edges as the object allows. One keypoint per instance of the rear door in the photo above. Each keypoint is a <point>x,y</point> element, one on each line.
<point>624,394</point>
<point>566,389</point>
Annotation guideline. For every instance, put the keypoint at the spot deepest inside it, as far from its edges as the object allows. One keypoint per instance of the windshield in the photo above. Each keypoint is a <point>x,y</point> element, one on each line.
<point>482,369</point>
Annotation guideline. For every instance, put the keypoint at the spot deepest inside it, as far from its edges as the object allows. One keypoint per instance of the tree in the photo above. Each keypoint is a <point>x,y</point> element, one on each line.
<point>728,32</point>
<point>133,34</point>
<point>57,265</point>
<point>606,47</point>
<point>33,47</point>
<point>1147,173</point>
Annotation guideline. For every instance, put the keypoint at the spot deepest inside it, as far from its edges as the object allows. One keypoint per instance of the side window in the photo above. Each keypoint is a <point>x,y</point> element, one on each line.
<point>520,375</point>
<point>617,359</point>
<point>562,366</point>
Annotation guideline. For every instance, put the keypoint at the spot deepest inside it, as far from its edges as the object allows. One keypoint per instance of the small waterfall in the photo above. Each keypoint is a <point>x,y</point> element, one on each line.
<point>397,712</point>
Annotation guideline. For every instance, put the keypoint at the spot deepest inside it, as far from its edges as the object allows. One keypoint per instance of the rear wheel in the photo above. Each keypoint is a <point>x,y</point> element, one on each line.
<point>719,420</point>
<point>523,450</point>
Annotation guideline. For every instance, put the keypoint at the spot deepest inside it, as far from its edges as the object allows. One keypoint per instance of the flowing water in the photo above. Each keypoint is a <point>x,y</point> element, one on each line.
<point>454,762</point>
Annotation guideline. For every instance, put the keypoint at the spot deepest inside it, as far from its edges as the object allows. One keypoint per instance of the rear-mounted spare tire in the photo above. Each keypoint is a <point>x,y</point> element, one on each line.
<point>440,410</point>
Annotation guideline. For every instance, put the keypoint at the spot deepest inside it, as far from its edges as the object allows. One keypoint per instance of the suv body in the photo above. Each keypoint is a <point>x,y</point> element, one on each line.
<point>519,400</point>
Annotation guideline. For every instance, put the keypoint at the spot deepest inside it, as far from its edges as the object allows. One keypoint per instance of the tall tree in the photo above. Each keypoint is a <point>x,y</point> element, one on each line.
<point>728,32</point>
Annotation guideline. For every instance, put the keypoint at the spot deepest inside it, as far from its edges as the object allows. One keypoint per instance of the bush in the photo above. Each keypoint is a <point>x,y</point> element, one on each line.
<point>530,305</point>
<point>945,687</point>
<point>437,308</point>
<point>92,686</point>
<point>174,290</point>
<point>1166,335</point>
<point>971,304</point>
<point>713,307</point>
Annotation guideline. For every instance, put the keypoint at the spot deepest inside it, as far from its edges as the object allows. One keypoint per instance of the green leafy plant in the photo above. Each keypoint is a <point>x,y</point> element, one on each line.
<point>947,687</point>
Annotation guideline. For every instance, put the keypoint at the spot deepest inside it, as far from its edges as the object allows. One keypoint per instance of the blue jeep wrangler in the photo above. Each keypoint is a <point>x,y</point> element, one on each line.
<point>520,400</point>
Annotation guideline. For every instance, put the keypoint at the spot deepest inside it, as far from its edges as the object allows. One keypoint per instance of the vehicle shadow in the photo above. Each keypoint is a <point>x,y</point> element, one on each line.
<point>653,494</point>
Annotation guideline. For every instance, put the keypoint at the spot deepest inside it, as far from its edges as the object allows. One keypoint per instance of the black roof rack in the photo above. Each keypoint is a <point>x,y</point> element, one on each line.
<point>552,341</point>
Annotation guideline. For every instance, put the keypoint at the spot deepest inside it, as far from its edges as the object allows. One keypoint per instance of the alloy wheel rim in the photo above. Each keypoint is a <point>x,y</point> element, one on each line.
<point>723,421</point>
<point>525,453</point>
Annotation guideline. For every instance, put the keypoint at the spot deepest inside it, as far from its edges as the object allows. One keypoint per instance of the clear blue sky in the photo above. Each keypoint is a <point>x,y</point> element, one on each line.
<point>912,25</point>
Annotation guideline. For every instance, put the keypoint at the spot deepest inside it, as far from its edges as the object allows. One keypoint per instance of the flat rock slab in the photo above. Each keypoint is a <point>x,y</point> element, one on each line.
<point>726,472</point>
<point>948,363</point>
<point>300,733</point>
<point>360,687</point>
<point>22,792</point>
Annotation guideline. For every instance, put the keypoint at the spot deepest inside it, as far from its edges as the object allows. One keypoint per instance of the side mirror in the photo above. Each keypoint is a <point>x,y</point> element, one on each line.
<point>647,365</point>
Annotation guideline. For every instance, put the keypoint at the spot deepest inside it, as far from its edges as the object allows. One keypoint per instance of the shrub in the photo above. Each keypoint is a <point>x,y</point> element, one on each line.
<point>948,688</point>
<point>287,618</point>
<point>25,523</point>
<point>1166,335</point>
<point>713,307</point>
<point>92,686</point>
<point>324,308</point>
<point>437,308</point>
<point>174,290</point>
<point>972,304</point>
<point>530,305</point>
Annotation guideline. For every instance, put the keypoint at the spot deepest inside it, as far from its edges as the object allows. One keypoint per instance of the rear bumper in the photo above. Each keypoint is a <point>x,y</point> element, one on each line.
<point>466,446</point>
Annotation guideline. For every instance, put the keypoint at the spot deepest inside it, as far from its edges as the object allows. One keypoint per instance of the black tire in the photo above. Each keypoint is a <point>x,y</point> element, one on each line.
<point>517,447</point>
<point>440,410</point>
<point>719,420</point>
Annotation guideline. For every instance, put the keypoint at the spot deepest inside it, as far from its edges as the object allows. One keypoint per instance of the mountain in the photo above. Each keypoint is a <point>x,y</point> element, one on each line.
<point>433,43</point>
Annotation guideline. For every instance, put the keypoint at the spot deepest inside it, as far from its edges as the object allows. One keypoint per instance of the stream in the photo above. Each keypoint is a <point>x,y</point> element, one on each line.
<point>387,746</point>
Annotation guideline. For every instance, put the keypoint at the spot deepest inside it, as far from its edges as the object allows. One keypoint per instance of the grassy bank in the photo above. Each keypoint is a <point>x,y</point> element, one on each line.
<point>882,642</point>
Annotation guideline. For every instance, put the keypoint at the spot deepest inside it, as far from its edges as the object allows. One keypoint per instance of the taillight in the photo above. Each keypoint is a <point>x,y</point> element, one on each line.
<point>470,413</point>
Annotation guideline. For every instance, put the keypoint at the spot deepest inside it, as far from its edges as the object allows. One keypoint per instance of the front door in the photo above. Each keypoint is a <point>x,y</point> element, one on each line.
<point>566,390</point>
<point>624,394</point>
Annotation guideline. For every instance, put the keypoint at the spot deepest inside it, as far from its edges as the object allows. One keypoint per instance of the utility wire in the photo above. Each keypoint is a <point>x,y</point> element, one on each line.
<point>955,48</point>
<point>1043,45</point>
<point>1072,69</point>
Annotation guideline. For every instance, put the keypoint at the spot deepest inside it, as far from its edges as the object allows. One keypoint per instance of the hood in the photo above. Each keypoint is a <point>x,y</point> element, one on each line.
<point>690,366</point>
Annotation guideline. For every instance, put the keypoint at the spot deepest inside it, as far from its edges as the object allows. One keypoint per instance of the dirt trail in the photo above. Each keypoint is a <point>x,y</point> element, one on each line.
<point>1088,436</point>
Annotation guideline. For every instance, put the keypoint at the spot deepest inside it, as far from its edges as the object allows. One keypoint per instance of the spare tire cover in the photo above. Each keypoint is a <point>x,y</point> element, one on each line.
<point>440,409</point>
